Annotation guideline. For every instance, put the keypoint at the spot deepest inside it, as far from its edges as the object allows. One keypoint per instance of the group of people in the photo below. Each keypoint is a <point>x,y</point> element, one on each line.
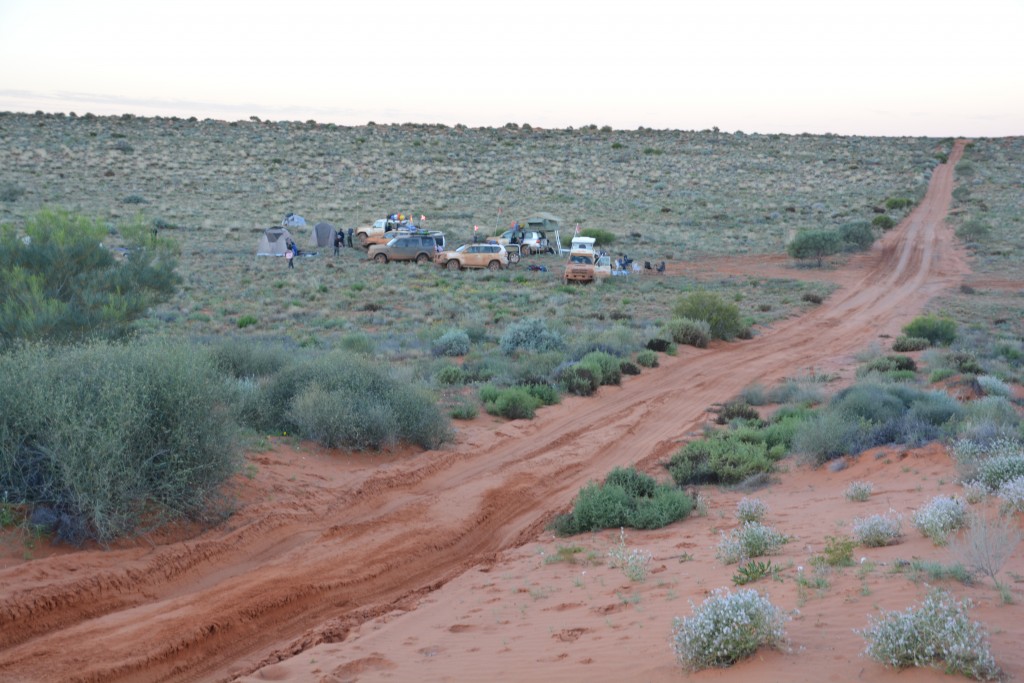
<point>339,240</point>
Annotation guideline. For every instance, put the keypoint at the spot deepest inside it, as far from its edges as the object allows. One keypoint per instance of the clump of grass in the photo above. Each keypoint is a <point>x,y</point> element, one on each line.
<point>749,540</point>
<point>726,628</point>
<point>723,318</point>
<point>940,517</point>
<point>938,632</point>
<point>513,403</point>
<point>877,531</point>
<point>647,359</point>
<point>905,344</point>
<point>838,552</point>
<point>939,331</point>
<point>859,491</point>
<point>689,332</point>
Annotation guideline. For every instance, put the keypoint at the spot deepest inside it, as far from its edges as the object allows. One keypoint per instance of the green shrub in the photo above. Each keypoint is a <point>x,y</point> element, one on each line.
<point>627,498</point>
<point>463,410</point>
<point>245,358</point>
<point>451,343</point>
<point>647,359</point>
<point>884,222</point>
<point>70,287</point>
<point>531,334</point>
<point>726,628</point>
<point>722,317</point>
<point>110,438</point>
<point>450,375</point>
<point>815,244</point>
<point>905,344</point>
<point>545,393</point>
<point>838,552</point>
<point>719,459</point>
<point>605,367</point>
<point>629,368</point>
<point>974,231</point>
<point>690,332</point>
<point>357,342</point>
<point>736,410</point>
<point>513,403</point>
<point>579,380</point>
<point>857,236</point>
<point>247,320</point>
<point>885,364</point>
<point>897,203</point>
<point>602,238</point>
<point>937,330</point>
<point>937,632</point>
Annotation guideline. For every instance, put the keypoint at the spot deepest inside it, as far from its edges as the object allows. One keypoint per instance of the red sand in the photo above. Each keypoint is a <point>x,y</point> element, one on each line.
<point>414,566</point>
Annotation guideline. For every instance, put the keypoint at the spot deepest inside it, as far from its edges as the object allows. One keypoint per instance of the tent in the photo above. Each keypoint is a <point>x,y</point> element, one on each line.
<point>293,220</point>
<point>322,235</point>
<point>542,221</point>
<point>273,242</point>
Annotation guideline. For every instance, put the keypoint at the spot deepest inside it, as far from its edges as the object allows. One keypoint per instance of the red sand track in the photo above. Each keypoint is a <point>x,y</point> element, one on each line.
<point>326,543</point>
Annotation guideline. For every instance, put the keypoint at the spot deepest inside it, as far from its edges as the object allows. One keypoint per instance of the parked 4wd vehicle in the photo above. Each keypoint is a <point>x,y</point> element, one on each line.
<point>418,248</point>
<point>530,241</point>
<point>492,256</point>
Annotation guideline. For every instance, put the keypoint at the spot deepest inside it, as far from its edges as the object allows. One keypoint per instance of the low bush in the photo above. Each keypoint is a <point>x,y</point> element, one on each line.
<point>247,321</point>
<point>605,367</point>
<point>940,517</point>
<point>736,410</point>
<point>995,471</point>
<point>463,410</point>
<point>905,344</point>
<point>838,552</point>
<point>750,539</point>
<point>723,318</point>
<point>513,403</point>
<point>897,203</point>
<point>726,628</point>
<point>603,237</point>
<point>937,330</point>
<point>938,632</point>
<point>246,358</point>
<point>883,222</point>
<point>579,380</point>
<point>450,375</point>
<point>857,236</point>
<point>113,439</point>
<point>627,498</point>
<point>629,368</point>
<point>878,531</point>
<point>719,459</point>
<point>647,359</point>
<point>689,332</point>
<point>886,364</point>
<point>750,509</point>
<point>812,298</point>
<point>993,386</point>
<point>1011,493</point>
<point>859,491</point>
<point>815,244</point>
<point>451,343</point>
<point>545,393</point>
<point>974,230</point>
<point>531,334</point>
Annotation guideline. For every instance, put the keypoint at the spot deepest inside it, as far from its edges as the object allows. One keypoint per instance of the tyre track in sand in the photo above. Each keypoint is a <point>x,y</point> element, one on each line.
<point>319,558</point>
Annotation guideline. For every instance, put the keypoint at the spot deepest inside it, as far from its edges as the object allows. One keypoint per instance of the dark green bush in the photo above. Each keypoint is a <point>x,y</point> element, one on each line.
<point>513,403</point>
<point>627,498</point>
<point>111,439</point>
<point>857,236</point>
<point>736,410</point>
<point>897,203</point>
<point>722,317</point>
<point>629,368</point>
<point>974,230</point>
<point>937,330</point>
<point>246,321</point>
<point>884,222</point>
<point>70,287</point>
<point>905,344</point>
<point>579,380</point>
<point>647,359</point>
<point>812,298</point>
<point>690,332</point>
<point>964,362</point>
<point>247,358</point>
<point>719,459</point>
<point>815,244</point>
<point>887,364</point>
<point>450,374</point>
<point>604,366</point>
<point>545,393</point>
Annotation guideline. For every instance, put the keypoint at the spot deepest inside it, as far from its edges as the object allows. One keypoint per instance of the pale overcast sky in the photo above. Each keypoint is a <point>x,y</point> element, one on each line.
<point>866,67</point>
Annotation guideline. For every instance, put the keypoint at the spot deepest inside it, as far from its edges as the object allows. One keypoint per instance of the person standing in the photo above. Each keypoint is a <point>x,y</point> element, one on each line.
<point>350,238</point>
<point>339,240</point>
<point>289,256</point>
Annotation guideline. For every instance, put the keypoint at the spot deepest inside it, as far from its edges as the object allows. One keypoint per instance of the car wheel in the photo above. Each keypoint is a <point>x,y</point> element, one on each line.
<point>513,258</point>
<point>381,258</point>
<point>454,265</point>
<point>362,239</point>
<point>422,258</point>
<point>494,265</point>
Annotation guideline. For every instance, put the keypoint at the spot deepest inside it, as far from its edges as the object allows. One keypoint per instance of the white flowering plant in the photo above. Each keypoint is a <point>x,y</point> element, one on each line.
<point>878,530</point>
<point>750,510</point>
<point>938,631</point>
<point>859,491</point>
<point>726,628</point>
<point>634,562</point>
<point>1011,493</point>
<point>940,517</point>
<point>751,539</point>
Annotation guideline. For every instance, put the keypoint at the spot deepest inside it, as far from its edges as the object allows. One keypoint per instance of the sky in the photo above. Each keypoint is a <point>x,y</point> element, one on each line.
<point>932,68</point>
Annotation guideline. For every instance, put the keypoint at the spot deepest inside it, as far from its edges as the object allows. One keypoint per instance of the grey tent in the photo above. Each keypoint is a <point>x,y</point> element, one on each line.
<point>322,235</point>
<point>543,221</point>
<point>273,242</point>
<point>293,220</point>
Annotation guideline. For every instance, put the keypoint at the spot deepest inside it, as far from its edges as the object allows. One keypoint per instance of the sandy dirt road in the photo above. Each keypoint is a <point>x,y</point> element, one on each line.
<point>322,544</point>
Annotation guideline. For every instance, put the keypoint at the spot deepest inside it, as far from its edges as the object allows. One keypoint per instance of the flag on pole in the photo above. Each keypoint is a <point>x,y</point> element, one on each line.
<point>475,228</point>
<point>422,217</point>
<point>577,228</point>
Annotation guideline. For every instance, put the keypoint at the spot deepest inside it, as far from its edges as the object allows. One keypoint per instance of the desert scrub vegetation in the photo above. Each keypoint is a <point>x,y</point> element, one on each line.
<point>940,517</point>
<point>937,633</point>
<point>989,462</point>
<point>723,318</point>
<point>815,245</point>
<point>939,331</point>
<point>751,509</point>
<point>870,414</point>
<point>63,285</point>
<point>859,491</point>
<point>726,628</point>
<point>341,400</point>
<point>749,540</point>
<point>878,531</point>
<point>107,440</point>
<point>626,498</point>
<point>744,449</point>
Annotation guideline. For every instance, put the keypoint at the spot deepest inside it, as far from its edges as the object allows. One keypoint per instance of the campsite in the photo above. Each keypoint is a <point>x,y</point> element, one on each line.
<point>382,453</point>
